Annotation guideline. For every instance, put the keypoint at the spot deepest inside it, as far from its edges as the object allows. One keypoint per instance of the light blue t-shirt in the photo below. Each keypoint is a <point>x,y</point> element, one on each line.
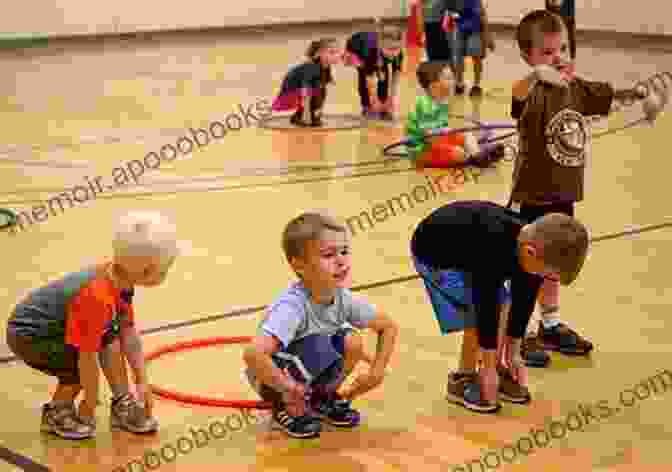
<point>294,315</point>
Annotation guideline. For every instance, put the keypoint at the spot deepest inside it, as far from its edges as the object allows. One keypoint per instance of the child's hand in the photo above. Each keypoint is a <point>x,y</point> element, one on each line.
<point>146,396</point>
<point>489,380</point>
<point>87,411</point>
<point>549,75</point>
<point>295,399</point>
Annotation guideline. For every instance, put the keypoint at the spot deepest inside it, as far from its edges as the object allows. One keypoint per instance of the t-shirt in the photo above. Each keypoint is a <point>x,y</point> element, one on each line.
<point>479,239</point>
<point>555,140</point>
<point>83,309</point>
<point>427,114</point>
<point>294,315</point>
<point>470,14</point>
<point>567,8</point>
<point>365,46</point>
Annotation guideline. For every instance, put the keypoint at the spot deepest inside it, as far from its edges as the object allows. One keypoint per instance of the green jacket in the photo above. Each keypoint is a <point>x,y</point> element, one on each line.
<point>427,114</point>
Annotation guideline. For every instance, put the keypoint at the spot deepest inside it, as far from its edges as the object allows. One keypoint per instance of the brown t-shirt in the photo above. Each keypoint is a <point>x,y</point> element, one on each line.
<point>555,139</point>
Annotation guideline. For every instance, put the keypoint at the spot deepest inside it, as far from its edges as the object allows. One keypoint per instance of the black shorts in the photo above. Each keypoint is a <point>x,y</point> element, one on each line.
<point>49,356</point>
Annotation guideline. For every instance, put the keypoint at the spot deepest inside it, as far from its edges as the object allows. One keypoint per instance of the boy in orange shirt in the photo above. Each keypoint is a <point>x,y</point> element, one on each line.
<point>66,328</point>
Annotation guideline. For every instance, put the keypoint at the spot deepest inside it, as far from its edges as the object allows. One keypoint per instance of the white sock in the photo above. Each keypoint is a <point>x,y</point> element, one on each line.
<point>550,316</point>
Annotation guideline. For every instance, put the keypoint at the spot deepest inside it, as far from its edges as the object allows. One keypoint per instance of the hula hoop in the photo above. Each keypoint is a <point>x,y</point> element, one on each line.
<point>197,399</point>
<point>7,218</point>
<point>480,126</point>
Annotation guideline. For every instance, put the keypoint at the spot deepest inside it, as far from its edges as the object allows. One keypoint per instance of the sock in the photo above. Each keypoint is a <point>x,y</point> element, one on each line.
<point>550,316</point>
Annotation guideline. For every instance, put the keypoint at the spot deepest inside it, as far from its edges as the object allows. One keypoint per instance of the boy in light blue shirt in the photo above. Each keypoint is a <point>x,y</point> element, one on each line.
<point>305,346</point>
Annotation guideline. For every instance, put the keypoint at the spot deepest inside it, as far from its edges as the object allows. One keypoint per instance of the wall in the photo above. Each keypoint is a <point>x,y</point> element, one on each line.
<point>83,17</point>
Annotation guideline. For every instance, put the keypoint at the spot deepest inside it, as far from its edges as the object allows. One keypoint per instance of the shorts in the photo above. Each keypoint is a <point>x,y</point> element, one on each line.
<point>308,361</point>
<point>465,45</point>
<point>452,298</point>
<point>49,356</point>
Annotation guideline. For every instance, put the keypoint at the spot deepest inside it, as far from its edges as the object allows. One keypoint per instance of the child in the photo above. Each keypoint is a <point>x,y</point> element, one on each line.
<point>465,252</point>
<point>378,58</point>
<point>431,112</point>
<point>304,88</point>
<point>64,328</point>
<point>567,10</point>
<point>430,25</point>
<point>472,34</point>
<point>303,347</point>
<point>550,105</point>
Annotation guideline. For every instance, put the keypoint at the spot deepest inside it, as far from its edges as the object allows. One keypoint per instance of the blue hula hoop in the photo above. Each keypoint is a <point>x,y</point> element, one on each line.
<point>480,126</point>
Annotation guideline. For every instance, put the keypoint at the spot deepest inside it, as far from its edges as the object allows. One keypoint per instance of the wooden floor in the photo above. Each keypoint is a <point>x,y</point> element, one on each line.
<point>79,110</point>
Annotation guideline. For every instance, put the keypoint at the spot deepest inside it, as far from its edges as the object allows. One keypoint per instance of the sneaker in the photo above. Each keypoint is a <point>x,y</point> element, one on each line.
<point>563,339</point>
<point>64,422</point>
<point>459,89</point>
<point>127,414</point>
<point>463,389</point>
<point>297,120</point>
<point>476,91</point>
<point>302,427</point>
<point>510,390</point>
<point>337,412</point>
<point>533,353</point>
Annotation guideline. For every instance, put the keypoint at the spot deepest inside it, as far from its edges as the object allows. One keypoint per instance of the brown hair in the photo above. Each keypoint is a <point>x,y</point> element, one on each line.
<point>316,46</point>
<point>304,228</point>
<point>563,242</point>
<point>429,72</point>
<point>533,25</point>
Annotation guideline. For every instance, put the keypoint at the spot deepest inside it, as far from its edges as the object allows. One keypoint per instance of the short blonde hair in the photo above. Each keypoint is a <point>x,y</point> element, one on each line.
<point>304,228</point>
<point>145,234</point>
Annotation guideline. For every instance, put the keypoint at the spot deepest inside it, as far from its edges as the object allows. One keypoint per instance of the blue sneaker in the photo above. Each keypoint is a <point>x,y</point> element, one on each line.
<point>337,412</point>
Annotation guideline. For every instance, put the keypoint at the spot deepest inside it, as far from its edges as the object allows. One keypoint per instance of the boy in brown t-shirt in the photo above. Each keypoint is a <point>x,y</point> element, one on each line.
<point>551,106</point>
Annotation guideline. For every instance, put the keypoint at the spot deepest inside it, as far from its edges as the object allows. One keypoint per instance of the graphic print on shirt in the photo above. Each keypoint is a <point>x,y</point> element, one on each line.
<point>568,138</point>
<point>113,327</point>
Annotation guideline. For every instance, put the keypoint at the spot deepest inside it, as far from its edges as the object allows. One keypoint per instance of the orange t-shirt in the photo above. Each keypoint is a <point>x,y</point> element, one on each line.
<point>95,315</point>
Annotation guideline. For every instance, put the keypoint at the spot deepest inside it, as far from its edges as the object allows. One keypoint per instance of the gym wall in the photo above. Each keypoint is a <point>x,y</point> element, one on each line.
<point>40,18</point>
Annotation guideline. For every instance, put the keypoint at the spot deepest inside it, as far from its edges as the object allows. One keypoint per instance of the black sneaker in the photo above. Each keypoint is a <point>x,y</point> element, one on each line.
<point>297,120</point>
<point>563,339</point>
<point>337,412</point>
<point>303,427</point>
<point>533,353</point>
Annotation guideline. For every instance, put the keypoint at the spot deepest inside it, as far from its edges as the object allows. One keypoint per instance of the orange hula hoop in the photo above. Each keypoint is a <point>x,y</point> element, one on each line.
<point>197,399</point>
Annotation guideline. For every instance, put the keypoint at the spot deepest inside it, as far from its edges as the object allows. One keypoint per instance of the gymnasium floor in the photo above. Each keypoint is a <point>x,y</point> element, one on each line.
<point>78,109</point>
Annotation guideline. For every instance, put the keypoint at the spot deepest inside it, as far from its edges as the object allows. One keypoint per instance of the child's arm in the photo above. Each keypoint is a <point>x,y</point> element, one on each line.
<point>131,346</point>
<point>89,373</point>
<point>258,359</point>
<point>388,331</point>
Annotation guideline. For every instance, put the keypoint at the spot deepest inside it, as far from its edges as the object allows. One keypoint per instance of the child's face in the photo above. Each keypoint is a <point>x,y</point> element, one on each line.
<point>331,55</point>
<point>552,49</point>
<point>442,88</point>
<point>326,262</point>
<point>532,262</point>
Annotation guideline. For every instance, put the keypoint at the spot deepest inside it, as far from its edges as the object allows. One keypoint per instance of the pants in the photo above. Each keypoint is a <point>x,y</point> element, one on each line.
<point>49,356</point>
<point>437,46</point>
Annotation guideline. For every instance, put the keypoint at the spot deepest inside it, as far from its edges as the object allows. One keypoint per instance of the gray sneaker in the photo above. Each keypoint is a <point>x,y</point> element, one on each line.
<point>62,420</point>
<point>127,414</point>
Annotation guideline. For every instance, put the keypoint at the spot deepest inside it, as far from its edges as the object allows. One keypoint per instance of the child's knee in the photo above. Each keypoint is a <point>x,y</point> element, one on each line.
<point>354,345</point>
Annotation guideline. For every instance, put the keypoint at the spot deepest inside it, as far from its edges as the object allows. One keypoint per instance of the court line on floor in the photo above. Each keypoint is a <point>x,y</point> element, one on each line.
<point>255,309</point>
<point>22,462</point>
